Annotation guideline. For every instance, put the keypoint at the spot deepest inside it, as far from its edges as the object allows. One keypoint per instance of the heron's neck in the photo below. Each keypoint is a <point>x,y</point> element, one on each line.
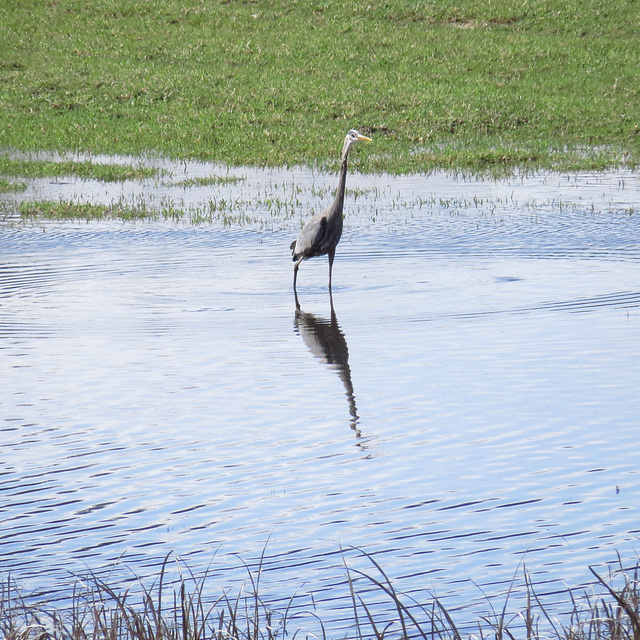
<point>339,199</point>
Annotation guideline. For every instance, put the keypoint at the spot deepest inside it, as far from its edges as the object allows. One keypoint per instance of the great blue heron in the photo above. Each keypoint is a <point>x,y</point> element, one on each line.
<point>321,234</point>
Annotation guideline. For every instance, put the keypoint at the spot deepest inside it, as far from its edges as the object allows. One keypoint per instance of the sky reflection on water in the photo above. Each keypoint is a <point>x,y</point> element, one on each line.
<point>163,394</point>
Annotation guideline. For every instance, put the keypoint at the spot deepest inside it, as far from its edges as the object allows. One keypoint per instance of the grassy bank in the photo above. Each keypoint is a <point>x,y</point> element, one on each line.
<point>455,83</point>
<point>184,610</point>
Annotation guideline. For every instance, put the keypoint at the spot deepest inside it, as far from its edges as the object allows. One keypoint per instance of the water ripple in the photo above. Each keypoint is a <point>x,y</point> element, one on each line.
<point>615,300</point>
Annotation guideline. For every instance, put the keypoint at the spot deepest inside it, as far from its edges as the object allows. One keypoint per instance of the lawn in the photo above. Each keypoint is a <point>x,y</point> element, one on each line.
<point>456,84</point>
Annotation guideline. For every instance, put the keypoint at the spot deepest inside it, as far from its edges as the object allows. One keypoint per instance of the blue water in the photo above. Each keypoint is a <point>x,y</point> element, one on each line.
<point>472,406</point>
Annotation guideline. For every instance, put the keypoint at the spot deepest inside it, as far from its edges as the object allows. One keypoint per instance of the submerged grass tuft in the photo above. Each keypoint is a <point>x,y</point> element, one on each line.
<point>207,181</point>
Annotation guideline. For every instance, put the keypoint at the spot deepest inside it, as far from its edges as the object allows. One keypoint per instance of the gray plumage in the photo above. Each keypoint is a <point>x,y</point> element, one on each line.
<point>321,234</point>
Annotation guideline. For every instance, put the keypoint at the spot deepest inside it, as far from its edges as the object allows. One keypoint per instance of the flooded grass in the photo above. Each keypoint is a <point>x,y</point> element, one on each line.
<point>269,210</point>
<point>183,607</point>
<point>226,211</point>
<point>105,172</point>
<point>206,182</point>
<point>9,186</point>
<point>66,210</point>
<point>182,193</point>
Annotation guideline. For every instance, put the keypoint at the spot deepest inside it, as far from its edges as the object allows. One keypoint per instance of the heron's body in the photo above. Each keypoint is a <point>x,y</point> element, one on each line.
<point>321,234</point>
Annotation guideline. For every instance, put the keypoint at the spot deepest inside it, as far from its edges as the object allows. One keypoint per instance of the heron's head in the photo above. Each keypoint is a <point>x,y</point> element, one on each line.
<point>352,136</point>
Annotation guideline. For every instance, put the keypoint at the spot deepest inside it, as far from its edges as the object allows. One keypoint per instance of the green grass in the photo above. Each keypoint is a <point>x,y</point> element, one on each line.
<point>463,84</point>
<point>66,210</point>
<point>88,170</point>
<point>9,186</point>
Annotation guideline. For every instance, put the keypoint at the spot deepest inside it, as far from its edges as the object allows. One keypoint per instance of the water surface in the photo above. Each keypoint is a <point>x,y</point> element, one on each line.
<point>468,402</point>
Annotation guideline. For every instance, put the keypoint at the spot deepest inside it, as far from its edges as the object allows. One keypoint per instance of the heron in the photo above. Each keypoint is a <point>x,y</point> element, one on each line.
<point>321,234</point>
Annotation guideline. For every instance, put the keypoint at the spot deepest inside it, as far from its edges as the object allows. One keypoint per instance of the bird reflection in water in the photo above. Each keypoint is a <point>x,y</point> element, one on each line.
<point>327,342</point>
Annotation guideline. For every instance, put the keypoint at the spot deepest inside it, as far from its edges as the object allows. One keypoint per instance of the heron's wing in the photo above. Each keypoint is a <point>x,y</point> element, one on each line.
<point>311,237</point>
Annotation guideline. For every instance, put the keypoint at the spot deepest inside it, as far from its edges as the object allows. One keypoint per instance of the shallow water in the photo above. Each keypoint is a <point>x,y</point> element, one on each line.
<point>471,405</point>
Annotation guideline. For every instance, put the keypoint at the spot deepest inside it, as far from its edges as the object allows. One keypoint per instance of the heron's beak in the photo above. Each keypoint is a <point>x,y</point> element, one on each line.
<point>362,138</point>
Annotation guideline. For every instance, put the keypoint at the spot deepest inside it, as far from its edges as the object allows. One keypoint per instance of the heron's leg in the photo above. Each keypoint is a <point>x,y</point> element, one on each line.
<point>295,272</point>
<point>332,255</point>
<point>295,277</point>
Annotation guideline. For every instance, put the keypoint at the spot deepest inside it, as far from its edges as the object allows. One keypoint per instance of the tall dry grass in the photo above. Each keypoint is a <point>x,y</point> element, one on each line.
<point>182,610</point>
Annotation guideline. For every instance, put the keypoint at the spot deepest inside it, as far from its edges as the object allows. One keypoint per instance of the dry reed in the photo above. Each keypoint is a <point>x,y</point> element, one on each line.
<point>183,611</point>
